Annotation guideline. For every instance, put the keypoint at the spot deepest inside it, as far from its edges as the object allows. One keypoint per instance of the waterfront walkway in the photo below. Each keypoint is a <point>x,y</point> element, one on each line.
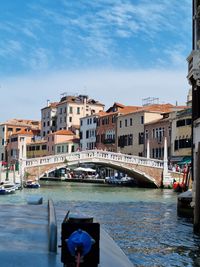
<point>24,239</point>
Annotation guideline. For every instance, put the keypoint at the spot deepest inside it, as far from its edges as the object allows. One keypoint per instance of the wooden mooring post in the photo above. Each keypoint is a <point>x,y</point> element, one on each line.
<point>196,168</point>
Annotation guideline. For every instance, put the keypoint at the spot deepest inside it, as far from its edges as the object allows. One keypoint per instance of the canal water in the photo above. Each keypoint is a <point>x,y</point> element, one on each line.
<point>143,222</point>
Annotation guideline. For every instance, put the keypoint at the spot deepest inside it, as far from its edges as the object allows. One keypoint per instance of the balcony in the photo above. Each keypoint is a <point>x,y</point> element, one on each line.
<point>109,141</point>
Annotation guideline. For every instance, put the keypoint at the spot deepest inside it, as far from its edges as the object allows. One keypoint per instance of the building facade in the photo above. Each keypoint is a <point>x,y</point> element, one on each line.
<point>106,132</point>
<point>181,140</point>
<point>66,114</point>
<point>36,148</point>
<point>48,119</point>
<point>60,137</point>
<point>13,126</point>
<point>155,132</point>
<point>130,131</point>
<point>88,126</point>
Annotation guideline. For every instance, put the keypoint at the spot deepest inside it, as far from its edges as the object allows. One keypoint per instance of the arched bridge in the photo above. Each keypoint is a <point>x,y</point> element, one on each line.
<point>146,171</point>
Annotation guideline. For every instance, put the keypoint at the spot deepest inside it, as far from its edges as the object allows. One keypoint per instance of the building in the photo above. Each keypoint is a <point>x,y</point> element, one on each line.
<point>181,139</point>
<point>155,133</point>
<point>106,126</point>
<point>131,133</point>
<point>36,148</point>
<point>16,147</point>
<point>11,127</point>
<point>48,118</point>
<point>88,126</point>
<point>56,141</point>
<point>66,114</point>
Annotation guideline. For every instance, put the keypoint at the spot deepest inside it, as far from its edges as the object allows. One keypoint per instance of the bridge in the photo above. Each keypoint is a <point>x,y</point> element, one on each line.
<point>146,171</point>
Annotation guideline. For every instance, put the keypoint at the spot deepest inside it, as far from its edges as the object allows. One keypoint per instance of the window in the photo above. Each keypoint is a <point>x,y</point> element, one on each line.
<point>131,121</point>
<point>142,119</point>
<point>126,123</point>
<point>120,124</point>
<point>78,110</point>
<point>180,123</point>
<point>141,139</point>
<point>188,121</point>
<point>70,119</point>
<point>70,110</point>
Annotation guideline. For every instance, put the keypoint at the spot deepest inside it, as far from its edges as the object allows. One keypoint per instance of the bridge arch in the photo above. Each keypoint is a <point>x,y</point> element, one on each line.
<point>147,172</point>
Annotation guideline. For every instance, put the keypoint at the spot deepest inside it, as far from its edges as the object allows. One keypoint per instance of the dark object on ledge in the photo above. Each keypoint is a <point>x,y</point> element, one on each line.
<point>184,208</point>
<point>75,228</point>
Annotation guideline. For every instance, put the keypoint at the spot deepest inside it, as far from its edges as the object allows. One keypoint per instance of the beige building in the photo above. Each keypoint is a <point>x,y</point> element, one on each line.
<point>181,140</point>
<point>130,131</point>
<point>36,148</point>
<point>13,126</point>
<point>66,114</point>
<point>131,127</point>
<point>155,133</point>
<point>69,146</point>
<point>17,142</point>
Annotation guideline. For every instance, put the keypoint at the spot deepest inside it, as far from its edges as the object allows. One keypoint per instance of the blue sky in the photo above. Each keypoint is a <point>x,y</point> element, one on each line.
<point>112,50</point>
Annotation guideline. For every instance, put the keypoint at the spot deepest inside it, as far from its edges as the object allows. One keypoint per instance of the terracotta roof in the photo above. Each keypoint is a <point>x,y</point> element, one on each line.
<point>24,132</point>
<point>63,132</point>
<point>74,140</point>
<point>122,111</point>
<point>37,142</point>
<point>23,122</point>
<point>51,105</point>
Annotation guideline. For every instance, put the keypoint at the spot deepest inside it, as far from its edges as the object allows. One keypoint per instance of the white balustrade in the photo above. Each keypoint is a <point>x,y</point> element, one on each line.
<point>95,154</point>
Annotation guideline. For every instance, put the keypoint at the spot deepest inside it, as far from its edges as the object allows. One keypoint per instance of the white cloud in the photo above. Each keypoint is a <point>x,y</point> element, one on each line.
<point>29,94</point>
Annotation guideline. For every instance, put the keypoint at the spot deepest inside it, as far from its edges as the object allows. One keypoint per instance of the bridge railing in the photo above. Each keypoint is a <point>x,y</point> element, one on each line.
<point>90,154</point>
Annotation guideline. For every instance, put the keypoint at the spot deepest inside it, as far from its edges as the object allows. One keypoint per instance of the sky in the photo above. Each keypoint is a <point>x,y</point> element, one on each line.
<point>112,50</point>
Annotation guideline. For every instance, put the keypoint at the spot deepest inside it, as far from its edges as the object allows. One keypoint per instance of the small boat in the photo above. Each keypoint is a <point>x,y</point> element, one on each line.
<point>31,184</point>
<point>6,189</point>
<point>179,187</point>
<point>124,181</point>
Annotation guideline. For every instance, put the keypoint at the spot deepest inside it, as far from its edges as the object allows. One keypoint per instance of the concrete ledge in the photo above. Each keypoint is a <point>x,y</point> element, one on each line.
<point>52,227</point>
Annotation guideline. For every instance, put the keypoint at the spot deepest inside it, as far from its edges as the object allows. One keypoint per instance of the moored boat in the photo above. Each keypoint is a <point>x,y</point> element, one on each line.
<point>6,189</point>
<point>31,184</point>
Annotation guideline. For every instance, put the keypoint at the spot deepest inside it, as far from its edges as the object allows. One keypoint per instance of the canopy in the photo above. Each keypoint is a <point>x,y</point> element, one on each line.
<point>81,169</point>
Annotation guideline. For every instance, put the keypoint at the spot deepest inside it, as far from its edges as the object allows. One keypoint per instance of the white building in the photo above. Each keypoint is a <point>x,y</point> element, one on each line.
<point>88,132</point>
<point>48,119</point>
<point>66,114</point>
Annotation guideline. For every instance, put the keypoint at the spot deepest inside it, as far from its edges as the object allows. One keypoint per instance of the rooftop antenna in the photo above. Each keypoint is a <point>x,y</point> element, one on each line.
<point>150,101</point>
<point>63,94</point>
